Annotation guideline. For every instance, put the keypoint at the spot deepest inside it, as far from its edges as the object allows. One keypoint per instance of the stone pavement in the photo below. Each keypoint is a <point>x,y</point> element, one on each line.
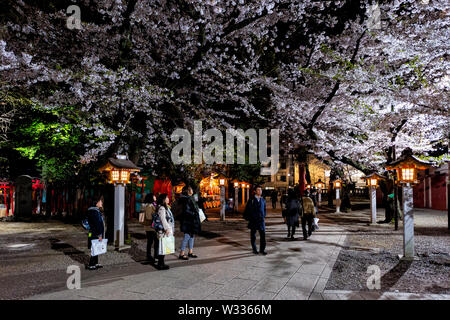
<point>227,269</point>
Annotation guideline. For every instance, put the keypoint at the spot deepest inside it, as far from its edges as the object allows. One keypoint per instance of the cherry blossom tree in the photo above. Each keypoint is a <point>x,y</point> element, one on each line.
<point>136,70</point>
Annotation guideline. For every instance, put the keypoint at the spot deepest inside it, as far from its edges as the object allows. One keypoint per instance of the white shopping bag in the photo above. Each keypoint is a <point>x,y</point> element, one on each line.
<point>202,215</point>
<point>98,247</point>
<point>141,217</point>
<point>316,223</point>
<point>166,245</point>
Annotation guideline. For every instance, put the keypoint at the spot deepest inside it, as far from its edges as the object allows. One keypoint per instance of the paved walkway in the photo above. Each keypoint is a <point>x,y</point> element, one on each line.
<point>226,269</point>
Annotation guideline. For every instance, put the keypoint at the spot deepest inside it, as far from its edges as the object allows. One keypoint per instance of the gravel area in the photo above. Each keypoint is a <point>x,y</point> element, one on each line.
<point>380,245</point>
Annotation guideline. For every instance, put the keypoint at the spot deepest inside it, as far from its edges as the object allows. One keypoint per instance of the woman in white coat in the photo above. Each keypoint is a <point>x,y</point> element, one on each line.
<point>166,225</point>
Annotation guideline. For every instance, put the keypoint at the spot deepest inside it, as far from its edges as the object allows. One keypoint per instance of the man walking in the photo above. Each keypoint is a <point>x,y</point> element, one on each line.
<point>255,213</point>
<point>308,215</point>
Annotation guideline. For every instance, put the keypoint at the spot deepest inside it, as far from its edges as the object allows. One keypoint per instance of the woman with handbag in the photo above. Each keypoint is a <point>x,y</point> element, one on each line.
<point>165,226</point>
<point>148,209</point>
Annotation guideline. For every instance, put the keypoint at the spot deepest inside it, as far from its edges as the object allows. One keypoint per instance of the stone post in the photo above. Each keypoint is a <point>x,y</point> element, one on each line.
<point>408,223</point>
<point>119,215</point>
<point>338,202</point>
<point>373,205</point>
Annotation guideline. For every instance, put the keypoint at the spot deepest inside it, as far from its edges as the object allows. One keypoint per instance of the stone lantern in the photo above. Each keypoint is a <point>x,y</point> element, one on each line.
<point>372,184</point>
<point>407,166</point>
<point>320,186</point>
<point>338,185</point>
<point>118,171</point>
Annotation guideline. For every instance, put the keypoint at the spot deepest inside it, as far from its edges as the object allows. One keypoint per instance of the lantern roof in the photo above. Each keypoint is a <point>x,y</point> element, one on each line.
<point>374,176</point>
<point>408,160</point>
<point>114,163</point>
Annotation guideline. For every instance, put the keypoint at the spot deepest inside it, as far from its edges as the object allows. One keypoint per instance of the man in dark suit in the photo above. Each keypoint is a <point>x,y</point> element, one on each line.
<point>255,213</point>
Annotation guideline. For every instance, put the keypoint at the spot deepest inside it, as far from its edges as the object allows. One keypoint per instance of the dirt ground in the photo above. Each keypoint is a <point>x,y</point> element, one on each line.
<point>380,245</point>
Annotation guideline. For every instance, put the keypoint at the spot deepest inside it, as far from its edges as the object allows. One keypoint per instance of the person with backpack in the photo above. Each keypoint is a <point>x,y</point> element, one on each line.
<point>308,215</point>
<point>190,223</point>
<point>96,223</point>
<point>149,208</point>
<point>292,213</point>
<point>164,225</point>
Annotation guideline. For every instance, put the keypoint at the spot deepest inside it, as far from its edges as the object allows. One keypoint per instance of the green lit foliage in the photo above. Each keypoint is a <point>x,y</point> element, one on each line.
<point>49,138</point>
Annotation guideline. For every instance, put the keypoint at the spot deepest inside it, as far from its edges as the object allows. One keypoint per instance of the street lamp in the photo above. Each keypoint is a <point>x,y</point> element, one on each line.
<point>337,185</point>
<point>118,172</point>
<point>407,166</point>
<point>372,183</point>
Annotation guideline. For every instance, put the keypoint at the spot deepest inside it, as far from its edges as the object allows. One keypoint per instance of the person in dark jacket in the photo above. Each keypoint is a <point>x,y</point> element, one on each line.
<point>274,198</point>
<point>189,221</point>
<point>255,213</point>
<point>292,213</point>
<point>96,229</point>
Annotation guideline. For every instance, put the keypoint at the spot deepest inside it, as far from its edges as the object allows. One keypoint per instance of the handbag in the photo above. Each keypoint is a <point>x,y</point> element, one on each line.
<point>202,215</point>
<point>85,224</point>
<point>166,245</point>
<point>98,247</point>
<point>142,217</point>
<point>316,223</point>
<point>157,224</point>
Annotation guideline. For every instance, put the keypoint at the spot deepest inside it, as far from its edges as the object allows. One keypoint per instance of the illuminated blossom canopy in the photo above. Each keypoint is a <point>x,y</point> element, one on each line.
<point>345,79</point>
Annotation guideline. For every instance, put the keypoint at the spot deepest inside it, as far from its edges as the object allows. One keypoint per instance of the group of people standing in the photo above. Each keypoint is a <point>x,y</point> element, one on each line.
<point>159,221</point>
<point>185,209</point>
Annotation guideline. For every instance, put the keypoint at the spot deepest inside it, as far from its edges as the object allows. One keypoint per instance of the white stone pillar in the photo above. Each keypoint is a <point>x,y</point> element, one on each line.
<point>119,215</point>
<point>248,191</point>
<point>373,205</point>
<point>338,202</point>
<point>222,203</point>
<point>408,223</point>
